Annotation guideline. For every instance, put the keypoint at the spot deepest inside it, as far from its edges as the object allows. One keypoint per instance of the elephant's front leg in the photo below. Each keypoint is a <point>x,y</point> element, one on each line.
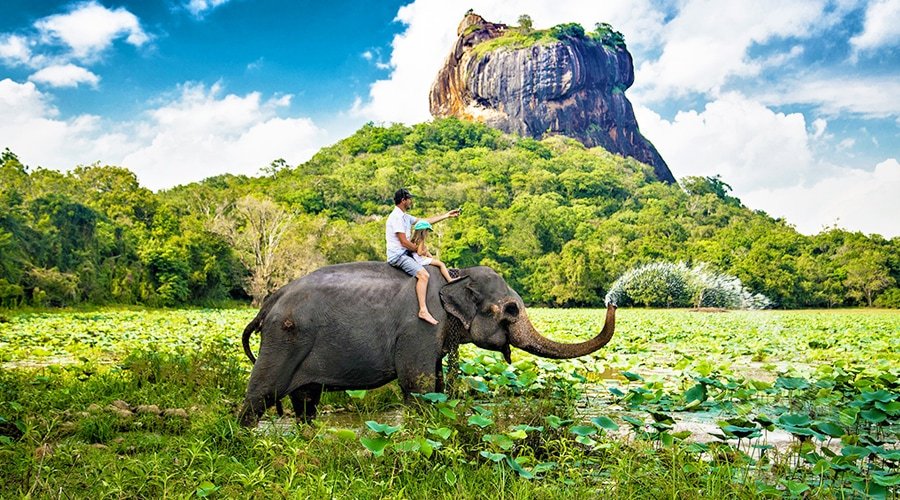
<point>417,372</point>
<point>305,399</point>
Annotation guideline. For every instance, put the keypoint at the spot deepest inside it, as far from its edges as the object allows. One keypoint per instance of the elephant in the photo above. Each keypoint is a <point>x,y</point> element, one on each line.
<point>354,326</point>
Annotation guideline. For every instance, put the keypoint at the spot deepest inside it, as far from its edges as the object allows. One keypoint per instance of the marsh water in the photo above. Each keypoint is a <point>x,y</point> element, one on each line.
<point>702,425</point>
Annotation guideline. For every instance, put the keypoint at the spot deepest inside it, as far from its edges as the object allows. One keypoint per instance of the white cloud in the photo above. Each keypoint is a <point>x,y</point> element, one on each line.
<point>874,97</point>
<point>200,7</point>
<point>65,75</point>
<point>33,130</point>
<point>765,156</point>
<point>202,133</point>
<point>847,143</point>
<point>14,49</point>
<point>881,27</point>
<point>257,64</point>
<point>198,133</point>
<point>749,145</point>
<point>90,28</point>
<point>852,199</point>
<point>819,125</point>
<point>420,50</point>
<point>707,43</point>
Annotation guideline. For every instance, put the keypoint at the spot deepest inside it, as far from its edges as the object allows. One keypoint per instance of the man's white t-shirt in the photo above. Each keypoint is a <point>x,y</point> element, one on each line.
<point>398,222</point>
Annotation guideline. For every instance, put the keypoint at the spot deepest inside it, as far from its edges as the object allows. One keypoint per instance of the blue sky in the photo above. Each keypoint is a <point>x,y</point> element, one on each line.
<point>796,104</point>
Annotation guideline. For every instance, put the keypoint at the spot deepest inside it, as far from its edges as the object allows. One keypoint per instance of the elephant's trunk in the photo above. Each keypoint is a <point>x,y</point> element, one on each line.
<point>524,336</point>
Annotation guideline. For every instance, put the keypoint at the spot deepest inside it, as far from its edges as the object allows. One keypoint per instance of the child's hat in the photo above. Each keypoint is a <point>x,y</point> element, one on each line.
<point>422,224</point>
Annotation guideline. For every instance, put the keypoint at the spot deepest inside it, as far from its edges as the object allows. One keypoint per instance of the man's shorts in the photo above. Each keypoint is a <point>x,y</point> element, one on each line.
<point>407,263</point>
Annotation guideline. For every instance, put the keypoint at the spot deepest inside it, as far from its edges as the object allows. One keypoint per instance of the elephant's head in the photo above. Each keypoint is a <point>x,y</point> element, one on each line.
<point>494,318</point>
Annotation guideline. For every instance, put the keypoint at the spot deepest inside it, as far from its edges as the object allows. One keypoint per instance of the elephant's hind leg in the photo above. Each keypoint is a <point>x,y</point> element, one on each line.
<point>305,399</point>
<point>271,376</point>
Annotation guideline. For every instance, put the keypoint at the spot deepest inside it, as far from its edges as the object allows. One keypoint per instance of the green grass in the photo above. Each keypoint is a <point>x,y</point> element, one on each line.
<point>76,420</point>
<point>513,40</point>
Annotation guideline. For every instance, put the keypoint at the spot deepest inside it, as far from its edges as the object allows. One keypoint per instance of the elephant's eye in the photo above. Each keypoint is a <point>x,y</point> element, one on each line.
<point>511,309</point>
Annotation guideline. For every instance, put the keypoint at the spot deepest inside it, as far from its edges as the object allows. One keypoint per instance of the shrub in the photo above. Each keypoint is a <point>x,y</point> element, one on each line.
<point>53,287</point>
<point>890,299</point>
<point>11,294</point>
<point>605,33</point>
<point>664,284</point>
<point>567,30</point>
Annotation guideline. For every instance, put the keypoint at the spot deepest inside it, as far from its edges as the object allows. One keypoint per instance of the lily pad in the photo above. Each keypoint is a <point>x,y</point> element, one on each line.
<point>384,429</point>
<point>480,421</point>
<point>583,430</point>
<point>375,445</point>
<point>605,423</point>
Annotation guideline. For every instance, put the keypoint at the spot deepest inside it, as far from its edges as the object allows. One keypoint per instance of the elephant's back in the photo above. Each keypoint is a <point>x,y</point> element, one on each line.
<point>355,275</point>
<point>355,288</point>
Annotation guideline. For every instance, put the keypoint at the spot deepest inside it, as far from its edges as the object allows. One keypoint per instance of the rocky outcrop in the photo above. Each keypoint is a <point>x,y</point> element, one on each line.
<point>574,87</point>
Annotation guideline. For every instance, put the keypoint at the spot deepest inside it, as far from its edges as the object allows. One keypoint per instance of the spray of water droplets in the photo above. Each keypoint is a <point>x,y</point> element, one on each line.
<point>667,284</point>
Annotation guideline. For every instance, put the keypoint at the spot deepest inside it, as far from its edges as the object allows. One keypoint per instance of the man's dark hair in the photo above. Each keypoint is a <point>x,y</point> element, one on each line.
<point>401,195</point>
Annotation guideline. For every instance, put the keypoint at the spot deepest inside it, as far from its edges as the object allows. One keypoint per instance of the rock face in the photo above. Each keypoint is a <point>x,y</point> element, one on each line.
<point>574,87</point>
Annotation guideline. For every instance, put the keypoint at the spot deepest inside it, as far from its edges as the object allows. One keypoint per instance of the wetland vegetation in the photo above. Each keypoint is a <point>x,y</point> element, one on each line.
<point>748,404</point>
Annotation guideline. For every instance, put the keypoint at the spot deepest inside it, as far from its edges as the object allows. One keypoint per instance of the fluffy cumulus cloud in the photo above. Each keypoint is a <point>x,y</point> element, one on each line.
<point>65,75</point>
<point>862,200</point>
<point>203,133</point>
<point>200,132</point>
<point>33,129</point>
<point>707,43</point>
<point>82,34</point>
<point>881,27</point>
<point>766,157</point>
<point>746,143</point>
<point>14,49</point>
<point>90,28</point>
<point>418,52</point>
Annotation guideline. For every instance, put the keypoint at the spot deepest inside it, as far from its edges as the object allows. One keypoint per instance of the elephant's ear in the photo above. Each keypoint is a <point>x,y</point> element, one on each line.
<point>460,299</point>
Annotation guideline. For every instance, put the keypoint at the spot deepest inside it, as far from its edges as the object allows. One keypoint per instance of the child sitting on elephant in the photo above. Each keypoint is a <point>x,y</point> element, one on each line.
<point>422,255</point>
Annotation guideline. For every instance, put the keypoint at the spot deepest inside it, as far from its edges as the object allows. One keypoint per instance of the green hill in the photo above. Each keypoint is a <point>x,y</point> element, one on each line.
<point>560,221</point>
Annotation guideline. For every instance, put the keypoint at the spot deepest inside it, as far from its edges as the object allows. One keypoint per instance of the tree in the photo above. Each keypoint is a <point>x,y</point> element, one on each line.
<point>258,229</point>
<point>608,36</point>
<point>699,186</point>
<point>867,274</point>
<point>526,25</point>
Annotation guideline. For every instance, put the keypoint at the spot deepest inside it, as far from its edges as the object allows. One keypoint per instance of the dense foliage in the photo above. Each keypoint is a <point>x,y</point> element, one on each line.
<point>559,221</point>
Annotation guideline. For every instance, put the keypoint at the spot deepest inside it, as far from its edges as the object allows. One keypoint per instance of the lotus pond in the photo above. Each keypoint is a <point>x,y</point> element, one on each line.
<point>681,404</point>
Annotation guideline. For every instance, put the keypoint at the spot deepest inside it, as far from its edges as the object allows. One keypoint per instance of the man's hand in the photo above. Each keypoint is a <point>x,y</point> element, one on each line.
<point>453,213</point>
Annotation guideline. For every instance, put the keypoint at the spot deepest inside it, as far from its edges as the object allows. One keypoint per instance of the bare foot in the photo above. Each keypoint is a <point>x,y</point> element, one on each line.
<point>426,316</point>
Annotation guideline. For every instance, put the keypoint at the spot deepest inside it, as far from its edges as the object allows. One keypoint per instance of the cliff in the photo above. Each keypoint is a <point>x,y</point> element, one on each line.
<point>536,85</point>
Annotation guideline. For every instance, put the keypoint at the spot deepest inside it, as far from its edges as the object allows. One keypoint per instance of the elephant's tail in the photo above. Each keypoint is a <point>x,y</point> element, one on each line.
<point>245,338</point>
<point>254,326</point>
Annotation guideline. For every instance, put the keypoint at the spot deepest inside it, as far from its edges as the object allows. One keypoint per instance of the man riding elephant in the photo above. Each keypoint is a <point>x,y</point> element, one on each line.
<point>399,248</point>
